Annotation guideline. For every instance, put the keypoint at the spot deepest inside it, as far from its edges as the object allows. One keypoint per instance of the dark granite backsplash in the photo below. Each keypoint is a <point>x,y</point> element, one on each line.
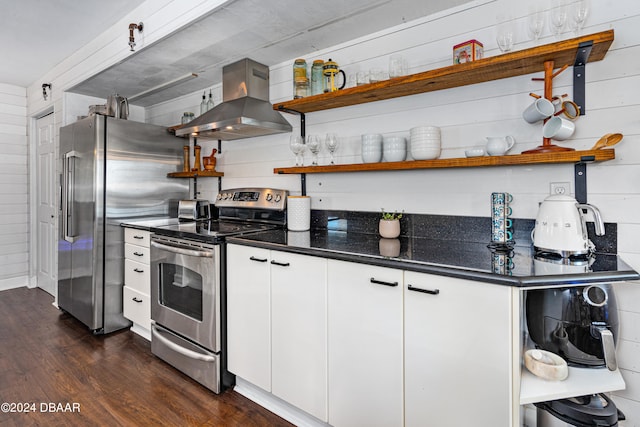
<point>447,227</point>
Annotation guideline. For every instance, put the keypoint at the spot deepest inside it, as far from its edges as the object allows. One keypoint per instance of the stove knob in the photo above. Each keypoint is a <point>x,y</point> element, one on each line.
<point>278,198</point>
<point>269,197</point>
<point>219,197</point>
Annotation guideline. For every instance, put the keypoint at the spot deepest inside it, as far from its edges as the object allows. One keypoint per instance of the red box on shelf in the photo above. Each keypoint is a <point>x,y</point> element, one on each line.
<point>468,51</point>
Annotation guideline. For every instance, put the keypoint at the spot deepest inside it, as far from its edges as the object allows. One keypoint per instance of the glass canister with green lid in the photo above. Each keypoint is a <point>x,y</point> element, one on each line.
<point>299,70</point>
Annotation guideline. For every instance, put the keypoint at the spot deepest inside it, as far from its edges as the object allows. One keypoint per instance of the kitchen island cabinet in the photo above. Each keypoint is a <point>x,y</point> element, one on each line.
<point>458,352</point>
<point>277,325</point>
<point>365,345</point>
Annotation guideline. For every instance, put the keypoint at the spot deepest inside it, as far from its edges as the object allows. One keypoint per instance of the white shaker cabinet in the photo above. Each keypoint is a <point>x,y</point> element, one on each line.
<point>136,304</point>
<point>249,314</point>
<point>365,345</point>
<point>277,324</point>
<point>458,352</point>
<point>299,331</point>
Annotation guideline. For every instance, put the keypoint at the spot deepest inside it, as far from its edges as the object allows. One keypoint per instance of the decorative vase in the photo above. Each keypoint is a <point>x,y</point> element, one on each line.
<point>389,228</point>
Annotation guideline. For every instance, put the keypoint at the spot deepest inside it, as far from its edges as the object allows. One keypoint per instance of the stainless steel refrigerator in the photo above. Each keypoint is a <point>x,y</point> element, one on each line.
<point>111,170</point>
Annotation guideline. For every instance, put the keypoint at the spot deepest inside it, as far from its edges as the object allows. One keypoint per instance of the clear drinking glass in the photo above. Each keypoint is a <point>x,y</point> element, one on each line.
<point>331,141</point>
<point>313,144</point>
<point>296,144</point>
<point>535,22</point>
<point>558,18</point>
<point>579,13</point>
<point>504,35</point>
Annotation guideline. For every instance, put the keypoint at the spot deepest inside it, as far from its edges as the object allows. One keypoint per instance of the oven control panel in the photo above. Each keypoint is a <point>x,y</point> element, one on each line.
<point>256,198</point>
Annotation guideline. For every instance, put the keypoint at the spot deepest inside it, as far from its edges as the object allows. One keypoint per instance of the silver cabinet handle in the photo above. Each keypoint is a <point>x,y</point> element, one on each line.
<point>182,251</point>
<point>175,347</point>
<point>68,194</point>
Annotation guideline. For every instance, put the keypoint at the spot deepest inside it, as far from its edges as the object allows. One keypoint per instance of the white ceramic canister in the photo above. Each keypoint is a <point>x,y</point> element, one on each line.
<point>298,213</point>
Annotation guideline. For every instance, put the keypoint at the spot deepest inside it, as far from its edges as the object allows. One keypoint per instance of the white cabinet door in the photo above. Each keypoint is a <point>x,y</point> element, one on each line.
<point>457,352</point>
<point>365,345</point>
<point>248,314</point>
<point>299,331</point>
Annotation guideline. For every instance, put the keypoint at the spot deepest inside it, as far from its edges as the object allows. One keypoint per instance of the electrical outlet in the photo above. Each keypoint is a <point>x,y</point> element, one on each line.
<point>560,188</point>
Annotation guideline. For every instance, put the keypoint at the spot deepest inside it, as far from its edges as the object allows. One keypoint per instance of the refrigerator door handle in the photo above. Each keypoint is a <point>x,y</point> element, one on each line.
<point>68,187</point>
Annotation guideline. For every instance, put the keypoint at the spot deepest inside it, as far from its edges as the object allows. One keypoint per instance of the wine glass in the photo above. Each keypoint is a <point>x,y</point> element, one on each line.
<point>331,141</point>
<point>504,35</point>
<point>579,13</point>
<point>535,21</point>
<point>296,144</point>
<point>313,144</point>
<point>558,18</point>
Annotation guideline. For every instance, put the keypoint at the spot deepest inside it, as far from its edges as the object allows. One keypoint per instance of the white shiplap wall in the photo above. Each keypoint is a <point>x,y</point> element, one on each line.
<point>466,115</point>
<point>14,203</point>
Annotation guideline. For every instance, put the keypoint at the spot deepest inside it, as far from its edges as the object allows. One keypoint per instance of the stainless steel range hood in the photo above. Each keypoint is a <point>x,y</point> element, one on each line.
<point>245,110</point>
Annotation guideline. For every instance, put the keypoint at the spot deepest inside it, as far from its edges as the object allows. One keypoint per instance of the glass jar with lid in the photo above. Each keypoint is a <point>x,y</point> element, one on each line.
<point>299,70</point>
<point>317,79</point>
<point>301,87</point>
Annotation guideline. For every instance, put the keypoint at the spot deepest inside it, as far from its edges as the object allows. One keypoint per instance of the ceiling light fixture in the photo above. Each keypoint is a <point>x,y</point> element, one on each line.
<point>45,86</point>
<point>132,40</point>
<point>162,87</point>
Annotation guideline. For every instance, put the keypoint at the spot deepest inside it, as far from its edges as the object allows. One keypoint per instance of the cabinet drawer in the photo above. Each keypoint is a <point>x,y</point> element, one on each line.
<point>137,276</point>
<point>137,253</point>
<point>137,237</point>
<point>136,307</point>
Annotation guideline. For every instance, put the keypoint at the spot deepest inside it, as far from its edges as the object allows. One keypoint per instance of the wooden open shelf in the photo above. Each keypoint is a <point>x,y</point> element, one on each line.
<point>510,64</point>
<point>511,160</point>
<point>202,173</point>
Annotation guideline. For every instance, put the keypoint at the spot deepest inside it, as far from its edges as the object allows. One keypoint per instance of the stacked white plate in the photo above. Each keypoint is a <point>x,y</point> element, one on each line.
<point>425,142</point>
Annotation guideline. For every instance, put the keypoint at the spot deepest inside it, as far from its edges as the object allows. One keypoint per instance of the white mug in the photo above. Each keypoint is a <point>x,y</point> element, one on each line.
<point>539,109</point>
<point>558,128</point>
<point>499,145</point>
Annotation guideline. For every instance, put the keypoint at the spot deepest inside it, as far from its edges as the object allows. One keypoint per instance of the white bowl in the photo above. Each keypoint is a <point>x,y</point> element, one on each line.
<point>425,154</point>
<point>372,138</point>
<point>474,152</point>
<point>395,155</point>
<point>424,129</point>
<point>371,156</point>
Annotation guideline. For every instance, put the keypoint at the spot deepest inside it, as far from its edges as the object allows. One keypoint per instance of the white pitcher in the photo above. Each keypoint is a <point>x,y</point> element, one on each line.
<point>499,145</point>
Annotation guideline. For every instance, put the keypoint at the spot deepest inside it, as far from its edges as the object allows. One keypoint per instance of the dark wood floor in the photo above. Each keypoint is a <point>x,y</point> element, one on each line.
<point>47,356</point>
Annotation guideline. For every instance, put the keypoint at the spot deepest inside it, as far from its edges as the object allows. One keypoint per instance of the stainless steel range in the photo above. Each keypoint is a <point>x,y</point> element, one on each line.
<point>188,282</point>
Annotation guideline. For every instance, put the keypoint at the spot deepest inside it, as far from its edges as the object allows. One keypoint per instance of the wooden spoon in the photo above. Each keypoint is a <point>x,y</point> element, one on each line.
<point>602,142</point>
<point>613,139</point>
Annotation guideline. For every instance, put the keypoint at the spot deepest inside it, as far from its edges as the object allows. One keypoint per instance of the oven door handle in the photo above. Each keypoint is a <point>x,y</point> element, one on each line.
<point>182,251</point>
<point>183,351</point>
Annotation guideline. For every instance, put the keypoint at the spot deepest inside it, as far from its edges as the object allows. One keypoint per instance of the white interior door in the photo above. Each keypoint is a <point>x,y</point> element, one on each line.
<point>46,205</point>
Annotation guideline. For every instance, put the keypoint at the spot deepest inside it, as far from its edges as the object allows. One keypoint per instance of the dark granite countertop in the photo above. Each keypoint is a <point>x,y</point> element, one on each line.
<point>467,260</point>
<point>466,256</point>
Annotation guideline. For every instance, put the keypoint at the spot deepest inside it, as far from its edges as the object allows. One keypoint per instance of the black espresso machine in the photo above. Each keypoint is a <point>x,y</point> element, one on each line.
<point>580,323</point>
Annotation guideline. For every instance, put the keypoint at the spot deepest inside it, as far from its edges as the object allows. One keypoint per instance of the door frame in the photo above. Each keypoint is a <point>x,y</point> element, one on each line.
<point>33,190</point>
